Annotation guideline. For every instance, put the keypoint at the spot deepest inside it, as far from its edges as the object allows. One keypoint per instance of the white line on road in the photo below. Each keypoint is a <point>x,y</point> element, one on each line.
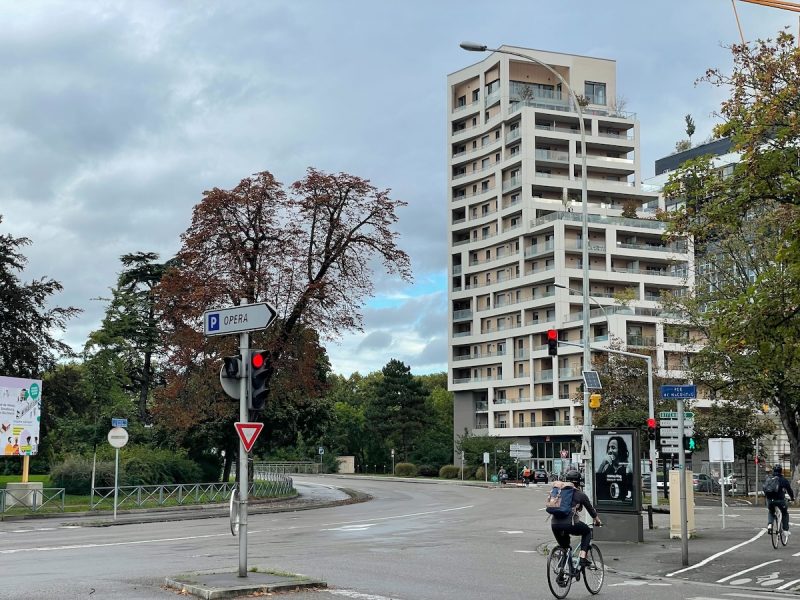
<point>514,532</point>
<point>740,595</point>
<point>724,579</point>
<point>718,554</point>
<point>213,535</point>
<point>788,585</point>
<point>358,595</point>
<point>526,551</point>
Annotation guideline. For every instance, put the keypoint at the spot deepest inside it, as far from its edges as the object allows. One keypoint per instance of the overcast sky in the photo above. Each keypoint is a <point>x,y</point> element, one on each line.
<point>116,116</point>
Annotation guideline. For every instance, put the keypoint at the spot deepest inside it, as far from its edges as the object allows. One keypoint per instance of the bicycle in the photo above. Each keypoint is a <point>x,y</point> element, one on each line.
<point>777,532</point>
<point>563,567</point>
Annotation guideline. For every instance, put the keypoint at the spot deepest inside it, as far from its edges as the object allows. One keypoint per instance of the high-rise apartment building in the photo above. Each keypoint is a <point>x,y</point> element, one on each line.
<point>515,245</point>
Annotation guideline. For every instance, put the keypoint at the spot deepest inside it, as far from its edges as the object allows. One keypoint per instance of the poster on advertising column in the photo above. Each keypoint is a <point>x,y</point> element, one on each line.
<point>20,414</point>
<point>616,470</point>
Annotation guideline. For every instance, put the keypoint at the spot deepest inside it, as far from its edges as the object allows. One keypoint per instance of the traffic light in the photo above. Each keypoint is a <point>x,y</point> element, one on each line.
<point>594,400</point>
<point>689,443</point>
<point>651,429</point>
<point>552,342</point>
<point>258,380</point>
<point>232,366</point>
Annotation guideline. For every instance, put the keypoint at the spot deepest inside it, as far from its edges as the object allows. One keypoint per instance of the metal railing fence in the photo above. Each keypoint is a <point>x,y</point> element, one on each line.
<point>32,500</point>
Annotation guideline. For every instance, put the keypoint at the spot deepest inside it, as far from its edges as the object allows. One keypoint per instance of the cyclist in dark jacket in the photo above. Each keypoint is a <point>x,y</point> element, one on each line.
<point>778,499</point>
<point>563,527</point>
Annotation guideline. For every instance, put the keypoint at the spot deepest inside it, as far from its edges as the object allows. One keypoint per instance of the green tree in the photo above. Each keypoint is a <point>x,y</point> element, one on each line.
<point>130,326</point>
<point>474,447</point>
<point>398,410</point>
<point>29,325</point>
<point>746,228</point>
<point>690,128</point>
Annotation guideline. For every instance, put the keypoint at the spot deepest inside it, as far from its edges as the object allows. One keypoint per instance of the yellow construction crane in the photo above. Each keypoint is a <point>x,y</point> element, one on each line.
<point>781,4</point>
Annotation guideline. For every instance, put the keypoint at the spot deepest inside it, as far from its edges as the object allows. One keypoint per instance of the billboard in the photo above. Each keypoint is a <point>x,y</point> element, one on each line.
<point>20,413</point>
<point>616,470</point>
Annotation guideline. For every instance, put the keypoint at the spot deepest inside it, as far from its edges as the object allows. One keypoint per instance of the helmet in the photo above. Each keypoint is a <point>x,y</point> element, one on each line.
<point>573,476</point>
<point>777,470</point>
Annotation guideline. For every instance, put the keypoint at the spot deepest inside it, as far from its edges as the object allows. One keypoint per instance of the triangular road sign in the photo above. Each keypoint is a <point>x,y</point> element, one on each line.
<point>248,433</point>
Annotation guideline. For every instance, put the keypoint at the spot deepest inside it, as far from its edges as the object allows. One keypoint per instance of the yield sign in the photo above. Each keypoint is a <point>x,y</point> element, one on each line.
<point>248,432</point>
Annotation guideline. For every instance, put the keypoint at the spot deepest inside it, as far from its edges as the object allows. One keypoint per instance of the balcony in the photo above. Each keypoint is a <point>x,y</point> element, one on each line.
<point>644,341</point>
<point>514,134</point>
<point>538,249</point>
<point>481,406</point>
<point>570,372</point>
<point>512,183</point>
<point>675,248</point>
<point>544,375</point>
<point>576,217</point>
<point>551,156</point>
<point>462,315</point>
<point>471,106</point>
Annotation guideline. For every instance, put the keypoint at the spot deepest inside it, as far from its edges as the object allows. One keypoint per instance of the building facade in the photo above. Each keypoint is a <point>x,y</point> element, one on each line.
<point>515,245</point>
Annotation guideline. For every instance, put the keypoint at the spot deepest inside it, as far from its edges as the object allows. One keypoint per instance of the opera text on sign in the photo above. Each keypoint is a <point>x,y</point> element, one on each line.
<point>237,319</point>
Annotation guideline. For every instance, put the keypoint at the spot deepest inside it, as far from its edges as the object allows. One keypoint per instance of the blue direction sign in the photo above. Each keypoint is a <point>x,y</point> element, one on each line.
<point>237,319</point>
<point>115,422</point>
<point>678,391</point>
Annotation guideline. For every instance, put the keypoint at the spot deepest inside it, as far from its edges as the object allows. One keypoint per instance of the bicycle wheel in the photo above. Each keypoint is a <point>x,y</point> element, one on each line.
<point>558,577</point>
<point>595,572</point>
<point>776,526</point>
<point>784,537</point>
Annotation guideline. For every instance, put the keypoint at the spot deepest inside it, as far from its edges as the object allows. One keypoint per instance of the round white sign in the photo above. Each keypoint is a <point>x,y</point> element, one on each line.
<point>118,437</point>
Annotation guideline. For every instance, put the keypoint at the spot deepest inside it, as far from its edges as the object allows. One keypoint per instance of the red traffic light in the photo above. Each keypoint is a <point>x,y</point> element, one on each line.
<point>651,423</point>
<point>257,360</point>
<point>552,334</point>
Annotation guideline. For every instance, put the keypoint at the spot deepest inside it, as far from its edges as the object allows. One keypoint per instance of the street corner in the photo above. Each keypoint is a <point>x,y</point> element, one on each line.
<point>228,584</point>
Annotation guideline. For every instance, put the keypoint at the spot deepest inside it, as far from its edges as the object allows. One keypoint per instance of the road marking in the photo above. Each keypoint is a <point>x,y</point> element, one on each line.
<point>360,527</point>
<point>526,551</point>
<point>718,554</point>
<point>358,595</point>
<point>740,595</point>
<point>511,532</point>
<point>788,585</point>
<point>212,535</point>
<point>724,579</point>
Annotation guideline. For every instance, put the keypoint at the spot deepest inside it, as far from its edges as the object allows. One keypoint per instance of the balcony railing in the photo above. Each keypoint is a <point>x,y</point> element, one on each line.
<point>677,248</point>
<point>462,315</point>
<point>646,341</point>
<point>544,375</point>
<point>577,217</point>
<point>552,155</point>
<point>511,183</point>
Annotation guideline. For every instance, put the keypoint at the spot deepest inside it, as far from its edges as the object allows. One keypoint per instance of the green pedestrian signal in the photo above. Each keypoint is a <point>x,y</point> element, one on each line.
<point>689,444</point>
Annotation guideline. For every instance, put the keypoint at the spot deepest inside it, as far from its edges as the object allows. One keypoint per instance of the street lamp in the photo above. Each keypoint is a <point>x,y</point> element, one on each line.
<point>587,353</point>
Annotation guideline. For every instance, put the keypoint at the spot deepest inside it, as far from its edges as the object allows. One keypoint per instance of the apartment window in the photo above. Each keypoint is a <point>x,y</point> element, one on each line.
<point>474,121</point>
<point>484,185</point>
<point>514,150</point>
<point>484,210</point>
<point>474,144</point>
<point>501,349</point>
<point>565,390</point>
<point>492,86</point>
<point>497,134</point>
<point>474,212</point>
<point>514,221</point>
<point>497,157</point>
<point>595,92</point>
<point>499,369</point>
<point>485,232</point>
<point>520,370</point>
<point>488,255</point>
<point>462,101</point>
<point>514,173</point>
<point>551,314</point>
<point>521,421</point>
<point>475,95</point>
<point>488,371</point>
<point>484,140</point>
<point>486,163</point>
<point>488,278</point>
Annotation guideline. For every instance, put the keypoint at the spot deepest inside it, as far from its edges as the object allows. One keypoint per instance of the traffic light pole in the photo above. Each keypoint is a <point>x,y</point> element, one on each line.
<point>682,473</point>
<point>244,351</point>
<point>650,411</point>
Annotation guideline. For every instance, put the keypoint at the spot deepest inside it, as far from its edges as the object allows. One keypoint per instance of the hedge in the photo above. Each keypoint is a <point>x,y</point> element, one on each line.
<point>405,469</point>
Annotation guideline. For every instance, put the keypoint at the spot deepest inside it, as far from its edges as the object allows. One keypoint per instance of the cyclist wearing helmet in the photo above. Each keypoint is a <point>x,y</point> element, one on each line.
<point>563,527</point>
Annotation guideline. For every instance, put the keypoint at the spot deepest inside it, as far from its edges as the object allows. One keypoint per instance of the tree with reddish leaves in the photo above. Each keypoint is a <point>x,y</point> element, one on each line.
<point>309,251</point>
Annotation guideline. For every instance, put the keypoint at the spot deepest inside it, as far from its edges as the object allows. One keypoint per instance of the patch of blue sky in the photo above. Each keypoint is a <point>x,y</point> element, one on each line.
<point>424,285</point>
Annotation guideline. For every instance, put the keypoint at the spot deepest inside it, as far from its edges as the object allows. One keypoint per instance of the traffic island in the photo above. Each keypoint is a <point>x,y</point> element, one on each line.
<point>228,584</point>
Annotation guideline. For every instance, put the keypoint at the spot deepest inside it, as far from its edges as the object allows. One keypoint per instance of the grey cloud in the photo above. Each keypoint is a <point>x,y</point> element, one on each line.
<point>377,340</point>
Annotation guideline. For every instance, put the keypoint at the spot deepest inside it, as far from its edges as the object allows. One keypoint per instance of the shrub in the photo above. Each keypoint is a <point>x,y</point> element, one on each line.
<point>427,471</point>
<point>480,474</point>
<point>405,469</point>
<point>74,474</point>
<point>450,472</point>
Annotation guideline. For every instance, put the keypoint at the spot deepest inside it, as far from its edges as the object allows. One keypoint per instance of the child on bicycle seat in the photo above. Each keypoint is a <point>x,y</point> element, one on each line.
<point>563,527</point>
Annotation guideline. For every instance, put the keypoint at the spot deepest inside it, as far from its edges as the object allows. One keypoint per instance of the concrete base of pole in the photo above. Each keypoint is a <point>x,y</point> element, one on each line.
<point>620,527</point>
<point>24,494</point>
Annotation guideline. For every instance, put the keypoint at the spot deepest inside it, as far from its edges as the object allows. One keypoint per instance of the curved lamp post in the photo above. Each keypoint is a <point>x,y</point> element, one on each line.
<point>587,354</point>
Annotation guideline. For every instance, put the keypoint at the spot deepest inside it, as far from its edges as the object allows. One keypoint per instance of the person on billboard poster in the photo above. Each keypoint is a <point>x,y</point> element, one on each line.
<point>614,472</point>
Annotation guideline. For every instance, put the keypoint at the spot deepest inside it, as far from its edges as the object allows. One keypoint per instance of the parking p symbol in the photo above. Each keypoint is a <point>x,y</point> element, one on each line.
<point>213,322</point>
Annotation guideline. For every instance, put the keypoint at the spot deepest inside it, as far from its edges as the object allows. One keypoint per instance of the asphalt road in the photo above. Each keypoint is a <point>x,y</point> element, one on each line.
<point>410,542</point>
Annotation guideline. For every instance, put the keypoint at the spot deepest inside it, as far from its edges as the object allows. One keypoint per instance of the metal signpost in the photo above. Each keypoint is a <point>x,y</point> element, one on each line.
<point>721,450</point>
<point>679,393</point>
<point>241,319</point>
<point>117,437</point>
